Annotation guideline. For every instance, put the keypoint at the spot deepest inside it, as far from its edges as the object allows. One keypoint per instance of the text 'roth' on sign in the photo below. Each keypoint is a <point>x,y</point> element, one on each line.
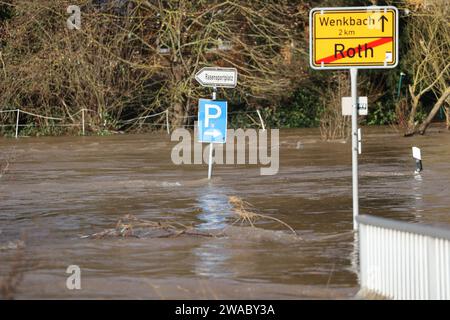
<point>354,37</point>
<point>212,121</point>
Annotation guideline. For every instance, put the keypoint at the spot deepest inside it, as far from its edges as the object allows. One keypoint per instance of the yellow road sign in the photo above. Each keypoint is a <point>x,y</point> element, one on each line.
<point>354,37</point>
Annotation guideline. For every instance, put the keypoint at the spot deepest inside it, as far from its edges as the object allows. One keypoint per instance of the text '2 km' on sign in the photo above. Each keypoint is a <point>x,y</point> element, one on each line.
<point>354,37</point>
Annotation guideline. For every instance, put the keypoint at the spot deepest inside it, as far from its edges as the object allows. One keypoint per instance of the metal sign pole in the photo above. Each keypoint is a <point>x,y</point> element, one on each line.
<point>370,41</point>
<point>354,86</point>
<point>214,77</point>
<point>211,145</point>
<point>82,120</point>
<point>17,123</point>
<point>210,160</point>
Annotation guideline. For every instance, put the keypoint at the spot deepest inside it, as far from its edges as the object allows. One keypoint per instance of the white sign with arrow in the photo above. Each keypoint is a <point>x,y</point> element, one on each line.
<point>217,77</point>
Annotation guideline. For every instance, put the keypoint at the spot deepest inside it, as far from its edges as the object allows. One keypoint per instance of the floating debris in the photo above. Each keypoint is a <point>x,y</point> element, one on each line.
<point>243,214</point>
<point>13,245</point>
<point>130,226</point>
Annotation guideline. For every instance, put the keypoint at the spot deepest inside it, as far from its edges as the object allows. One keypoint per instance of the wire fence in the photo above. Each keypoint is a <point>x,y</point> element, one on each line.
<point>83,123</point>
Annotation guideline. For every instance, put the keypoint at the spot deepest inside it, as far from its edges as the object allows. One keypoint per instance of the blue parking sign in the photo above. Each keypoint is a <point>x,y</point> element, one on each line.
<point>212,121</point>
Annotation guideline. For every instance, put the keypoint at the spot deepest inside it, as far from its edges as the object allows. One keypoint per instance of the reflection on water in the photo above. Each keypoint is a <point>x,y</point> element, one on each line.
<point>212,256</point>
<point>417,194</point>
<point>354,256</point>
<point>57,189</point>
<point>213,202</point>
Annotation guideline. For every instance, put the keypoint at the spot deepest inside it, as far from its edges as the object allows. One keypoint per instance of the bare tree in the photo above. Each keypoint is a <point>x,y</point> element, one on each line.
<point>250,35</point>
<point>135,58</point>
<point>430,60</point>
<point>333,125</point>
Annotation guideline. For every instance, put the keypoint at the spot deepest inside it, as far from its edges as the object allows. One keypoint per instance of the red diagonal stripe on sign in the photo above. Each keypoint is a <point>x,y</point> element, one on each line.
<point>372,44</point>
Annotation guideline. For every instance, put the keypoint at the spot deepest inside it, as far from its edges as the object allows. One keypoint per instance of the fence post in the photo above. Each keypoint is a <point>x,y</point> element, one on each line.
<point>261,119</point>
<point>17,123</point>
<point>167,121</point>
<point>82,119</point>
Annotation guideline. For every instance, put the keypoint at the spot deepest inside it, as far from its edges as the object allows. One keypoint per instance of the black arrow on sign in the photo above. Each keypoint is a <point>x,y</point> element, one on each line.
<point>383,19</point>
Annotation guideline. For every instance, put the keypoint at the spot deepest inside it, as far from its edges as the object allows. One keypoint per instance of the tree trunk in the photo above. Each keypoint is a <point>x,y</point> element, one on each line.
<point>447,117</point>
<point>411,125</point>
<point>179,116</point>
<point>433,111</point>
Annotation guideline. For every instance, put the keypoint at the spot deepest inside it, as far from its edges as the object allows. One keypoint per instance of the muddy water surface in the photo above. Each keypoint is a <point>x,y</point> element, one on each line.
<point>58,189</point>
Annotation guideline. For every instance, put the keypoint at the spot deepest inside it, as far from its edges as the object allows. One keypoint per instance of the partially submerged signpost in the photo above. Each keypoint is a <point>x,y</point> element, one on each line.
<point>212,125</point>
<point>212,114</point>
<point>354,38</point>
<point>417,155</point>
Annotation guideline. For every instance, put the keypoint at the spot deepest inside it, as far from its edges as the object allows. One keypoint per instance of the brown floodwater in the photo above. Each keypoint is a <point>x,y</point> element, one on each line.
<point>57,189</point>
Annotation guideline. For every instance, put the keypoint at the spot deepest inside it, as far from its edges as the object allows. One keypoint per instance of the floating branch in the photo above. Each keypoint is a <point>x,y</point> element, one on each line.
<point>242,210</point>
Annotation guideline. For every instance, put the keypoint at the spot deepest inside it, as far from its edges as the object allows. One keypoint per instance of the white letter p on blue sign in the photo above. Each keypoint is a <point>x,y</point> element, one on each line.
<point>212,121</point>
<point>209,115</point>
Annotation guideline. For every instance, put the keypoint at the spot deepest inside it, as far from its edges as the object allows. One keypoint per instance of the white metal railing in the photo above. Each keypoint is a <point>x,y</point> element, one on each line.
<point>400,260</point>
